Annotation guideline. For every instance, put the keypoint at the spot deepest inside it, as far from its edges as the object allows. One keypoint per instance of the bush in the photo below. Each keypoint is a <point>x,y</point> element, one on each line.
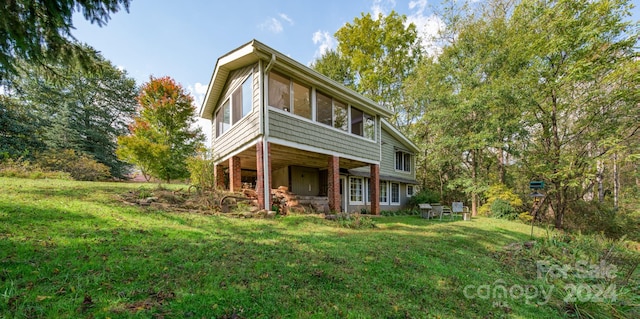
<point>81,167</point>
<point>595,217</point>
<point>24,169</point>
<point>502,209</point>
<point>499,191</point>
<point>202,172</point>
<point>424,196</point>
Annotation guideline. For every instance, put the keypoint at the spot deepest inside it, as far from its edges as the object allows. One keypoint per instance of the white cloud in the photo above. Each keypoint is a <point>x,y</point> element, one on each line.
<point>272,24</point>
<point>382,7</point>
<point>325,42</point>
<point>286,18</point>
<point>428,26</point>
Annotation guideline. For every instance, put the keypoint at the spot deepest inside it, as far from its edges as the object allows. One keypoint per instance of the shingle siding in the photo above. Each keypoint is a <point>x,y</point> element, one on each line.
<point>291,128</point>
<point>388,162</point>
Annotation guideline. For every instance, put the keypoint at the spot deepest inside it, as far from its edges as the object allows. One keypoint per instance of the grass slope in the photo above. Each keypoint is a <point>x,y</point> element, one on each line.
<point>70,249</point>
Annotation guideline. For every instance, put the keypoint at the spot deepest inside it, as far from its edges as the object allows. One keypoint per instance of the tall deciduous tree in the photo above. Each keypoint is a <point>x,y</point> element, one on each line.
<point>163,135</point>
<point>550,84</point>
<point>375,55</point>
<point>82,111</point>
<point>40,31</point>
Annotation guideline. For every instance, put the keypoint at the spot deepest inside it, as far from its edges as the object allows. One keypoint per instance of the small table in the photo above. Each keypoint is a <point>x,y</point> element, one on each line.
<point>425,209</point>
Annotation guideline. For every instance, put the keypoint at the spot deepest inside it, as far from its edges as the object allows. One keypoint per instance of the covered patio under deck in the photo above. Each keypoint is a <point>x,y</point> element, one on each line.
<point>303,172</point>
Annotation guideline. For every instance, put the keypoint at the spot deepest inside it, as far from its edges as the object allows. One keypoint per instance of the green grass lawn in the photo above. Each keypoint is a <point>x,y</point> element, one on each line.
<point>71,249</point>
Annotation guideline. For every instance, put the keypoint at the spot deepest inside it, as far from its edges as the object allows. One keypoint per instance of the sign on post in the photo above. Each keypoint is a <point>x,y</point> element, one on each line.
<point>536,184</point>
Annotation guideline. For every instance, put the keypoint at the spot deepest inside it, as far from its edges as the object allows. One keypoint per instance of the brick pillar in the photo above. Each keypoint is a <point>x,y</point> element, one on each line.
<point>374,186</point>
<point>220,176</point>
<point>260,171</point>
<point>235,182</point>
<point>334,184</point>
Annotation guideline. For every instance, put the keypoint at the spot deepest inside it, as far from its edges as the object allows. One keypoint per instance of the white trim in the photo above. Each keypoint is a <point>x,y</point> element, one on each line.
<point>398,135</point>
<point>279,141</point>
<point>356,202</point>
<point>391,202</point>
<point>366,193</point>
<point>344,197</point>
<point>385,203</point>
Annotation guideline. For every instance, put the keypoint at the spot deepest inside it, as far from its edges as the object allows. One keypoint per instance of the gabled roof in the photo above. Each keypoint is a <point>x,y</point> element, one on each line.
<point>389,128</point>
<point>254,51</point>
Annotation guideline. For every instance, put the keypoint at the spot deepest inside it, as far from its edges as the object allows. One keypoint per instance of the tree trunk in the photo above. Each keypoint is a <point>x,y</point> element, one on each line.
<point>616,181</point>
<point>501,161</point>
<point>600,180</point>
<point>474,179</point>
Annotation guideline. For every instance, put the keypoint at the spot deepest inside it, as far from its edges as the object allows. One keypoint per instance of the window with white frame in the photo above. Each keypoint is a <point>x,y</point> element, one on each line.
<point>395,194</point>
<point>285,93</point>
<point>410,190</point>
<point>403,161</point>
<point>237,106</point>
<point>367,190</point>
<point>356,190</point>
<point>384,197</point>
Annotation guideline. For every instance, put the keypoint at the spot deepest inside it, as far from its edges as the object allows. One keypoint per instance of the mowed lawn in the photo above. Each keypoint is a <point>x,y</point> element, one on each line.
<point>72,249</point>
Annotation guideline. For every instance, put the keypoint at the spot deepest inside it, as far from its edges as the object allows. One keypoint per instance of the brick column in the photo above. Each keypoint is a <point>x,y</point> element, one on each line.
<point>334,184</point>
<point>374,186</point>
<point>219,171</point>
<point>235,183</point>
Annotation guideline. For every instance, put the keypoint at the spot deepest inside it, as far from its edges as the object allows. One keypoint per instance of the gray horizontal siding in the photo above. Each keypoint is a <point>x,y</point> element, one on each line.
<point>239,134</point>
<point>388,162</point>
<point>291,128</point>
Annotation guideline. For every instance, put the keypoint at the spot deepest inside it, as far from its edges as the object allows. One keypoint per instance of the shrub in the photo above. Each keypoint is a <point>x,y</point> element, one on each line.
<point>424,196</point>
<point>202,172</point>
<point>24,169</point>
<point>499,191</point>
<point>81,167</point>
<point>502,209</point>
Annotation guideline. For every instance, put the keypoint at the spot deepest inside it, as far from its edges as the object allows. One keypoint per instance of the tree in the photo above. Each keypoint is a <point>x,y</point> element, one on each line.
<point>19,130</point>
<point>40,32</point>
<point>550,85</point>
<point>163,134</point>
<point>81,111</point>
<point>374,57</point>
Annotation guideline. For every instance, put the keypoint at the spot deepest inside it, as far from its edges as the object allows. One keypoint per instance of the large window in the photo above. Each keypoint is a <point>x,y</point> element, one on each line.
<point>223,119</point>
<point>403,161</point>
<point>279,92</point>
<point>362,124</point>
<point>247,96</point>
<point>286,94</point>
<point>235,108</point>
<point>301,100</point>
<point>291,96</point>
<point>340,116</point>
<point>324,109</point>
<point>395,194</point>
<point>355,190</point>
<point>384,198</point>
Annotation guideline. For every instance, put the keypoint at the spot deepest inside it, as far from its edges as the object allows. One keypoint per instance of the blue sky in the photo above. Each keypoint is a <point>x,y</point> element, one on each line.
<point>183,39</point>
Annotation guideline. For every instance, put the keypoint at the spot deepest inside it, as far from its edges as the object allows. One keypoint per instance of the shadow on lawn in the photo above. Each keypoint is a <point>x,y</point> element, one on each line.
<point>187,265</point>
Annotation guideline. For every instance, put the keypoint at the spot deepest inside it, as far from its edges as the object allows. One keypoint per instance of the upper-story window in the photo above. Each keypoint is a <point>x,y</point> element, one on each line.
<point>403,161</point>
<point>362,124</point>
<point>291,96</point>
<point>237,106</point>
<point>285,93</point>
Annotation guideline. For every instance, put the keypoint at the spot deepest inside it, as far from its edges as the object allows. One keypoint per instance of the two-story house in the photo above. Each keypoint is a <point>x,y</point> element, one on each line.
<point>279,123</point>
